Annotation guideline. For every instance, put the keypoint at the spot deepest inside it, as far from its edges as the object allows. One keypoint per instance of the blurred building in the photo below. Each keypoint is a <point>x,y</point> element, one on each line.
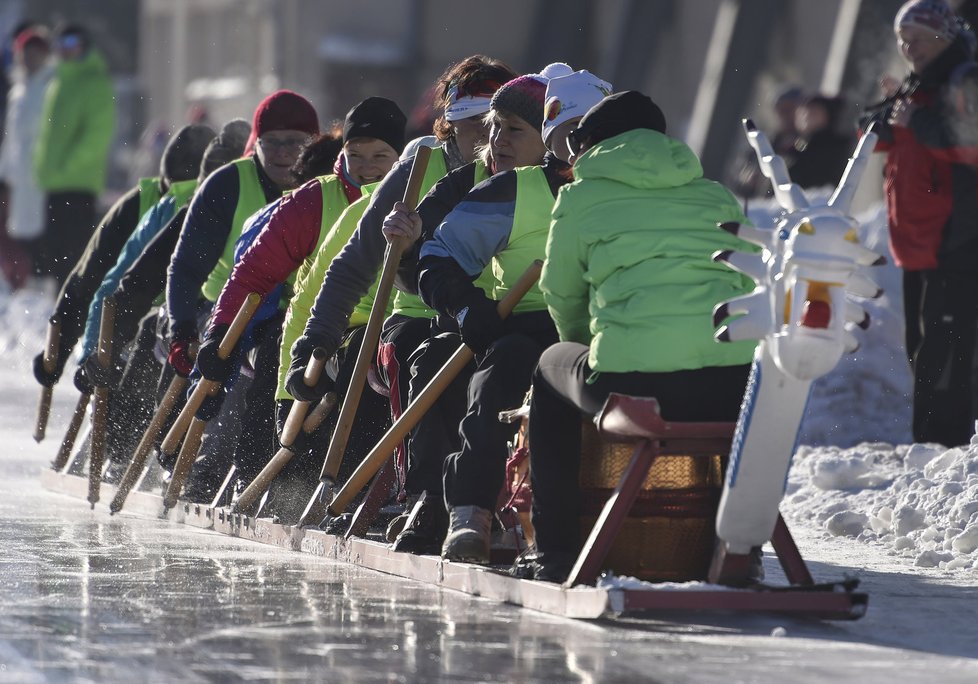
<point>708,63</point>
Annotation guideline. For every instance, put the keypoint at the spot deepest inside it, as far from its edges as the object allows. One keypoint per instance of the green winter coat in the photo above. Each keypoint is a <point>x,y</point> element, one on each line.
<point>77,122</point>
<point>629,269</point>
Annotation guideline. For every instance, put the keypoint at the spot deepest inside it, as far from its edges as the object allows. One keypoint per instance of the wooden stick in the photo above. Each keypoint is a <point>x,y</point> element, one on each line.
<point>178,386</point>
<point>185,462</point>
<point>224,486</point>
<point>378,493</point>
<point>283,456</point>
<point>68,443</point>
<point>297,414</point>
<point>417,408</point>
<point>290,432</point>
<point>100,414</point>
<point>49,362</point>
<point>206,387</point>
<point>378,312</point>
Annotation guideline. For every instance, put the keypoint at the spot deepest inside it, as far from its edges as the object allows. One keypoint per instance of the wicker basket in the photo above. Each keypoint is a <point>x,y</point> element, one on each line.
<point>669,535</point>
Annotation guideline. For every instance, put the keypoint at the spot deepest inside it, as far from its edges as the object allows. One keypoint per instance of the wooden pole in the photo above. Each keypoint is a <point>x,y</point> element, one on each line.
<point>290,432</point>
<point>49,362</point>
<point>195,427</point>
<point>417,408</point>
<point>378,312</point>
<point>185,462</point>
<point>206,387</point>
<point>178,386</point>
<point>68,443</point>
<point>100,414</point>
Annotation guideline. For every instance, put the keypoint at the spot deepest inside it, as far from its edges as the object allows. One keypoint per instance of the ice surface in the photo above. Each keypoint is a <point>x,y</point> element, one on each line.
<point>85,597</point>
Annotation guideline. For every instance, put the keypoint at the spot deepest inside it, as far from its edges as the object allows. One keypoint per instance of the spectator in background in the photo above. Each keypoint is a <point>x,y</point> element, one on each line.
<point>72,149</point>
<point>931,186</point>
<point>25,203</point>
<point>821,152</point>
<point>748,180</point>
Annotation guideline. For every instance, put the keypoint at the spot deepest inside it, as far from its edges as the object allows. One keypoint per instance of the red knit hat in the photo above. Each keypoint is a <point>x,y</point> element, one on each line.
<point>283,110</point>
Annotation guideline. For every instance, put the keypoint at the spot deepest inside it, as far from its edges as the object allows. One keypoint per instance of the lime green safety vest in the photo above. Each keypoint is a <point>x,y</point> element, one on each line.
<point>410,304</point>
<point>309,282</point>
<point>528,239</point>
<point>181,192</point>
<point>149,194</point>
<point>251,198</point>
<point>334,204</point>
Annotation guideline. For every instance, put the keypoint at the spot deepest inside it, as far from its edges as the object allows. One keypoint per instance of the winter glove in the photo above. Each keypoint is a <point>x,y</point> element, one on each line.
<point>82,382</point>
<point>295,383</point>
<point>42,376</point>
<point>211,406</point>
<point>210,365</point>
<point>96,375</point>
<point>479,323</point>
<point>183,336</point>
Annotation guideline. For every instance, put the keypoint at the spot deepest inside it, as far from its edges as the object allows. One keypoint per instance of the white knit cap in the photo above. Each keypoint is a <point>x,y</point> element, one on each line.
<point>571,96</point>
<point>556,70</point>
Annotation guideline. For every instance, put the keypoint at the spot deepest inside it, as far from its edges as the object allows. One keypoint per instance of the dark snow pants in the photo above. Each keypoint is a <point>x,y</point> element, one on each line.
<point>941,312</point>
<point>474,475</point>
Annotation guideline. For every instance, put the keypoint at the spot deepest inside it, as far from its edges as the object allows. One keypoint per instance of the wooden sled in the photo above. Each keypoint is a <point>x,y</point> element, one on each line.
<point>624,419</point>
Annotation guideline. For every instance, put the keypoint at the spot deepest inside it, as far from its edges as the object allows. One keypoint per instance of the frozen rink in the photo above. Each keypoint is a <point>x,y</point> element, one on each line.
<point>93,598</point>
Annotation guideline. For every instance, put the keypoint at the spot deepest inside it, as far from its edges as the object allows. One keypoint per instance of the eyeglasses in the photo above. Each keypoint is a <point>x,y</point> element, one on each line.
<point>285,144</point>
<point>576,140</point>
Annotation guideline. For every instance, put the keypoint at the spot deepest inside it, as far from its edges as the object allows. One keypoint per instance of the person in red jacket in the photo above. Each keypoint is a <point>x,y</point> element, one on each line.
<point>931,187</point>
<point>373,136</point>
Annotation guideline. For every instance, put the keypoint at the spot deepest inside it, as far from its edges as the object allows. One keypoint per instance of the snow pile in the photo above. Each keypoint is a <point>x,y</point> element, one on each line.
<point>916,501</point>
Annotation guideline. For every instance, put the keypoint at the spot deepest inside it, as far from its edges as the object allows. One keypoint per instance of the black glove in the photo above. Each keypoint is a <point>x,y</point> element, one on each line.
<point>295,383</point>
<point>211,406</point>
<point>97,376</point>
<point>479,324</point>
<point>210,365</point>
<point>42,376</point>
<point>82,381</point>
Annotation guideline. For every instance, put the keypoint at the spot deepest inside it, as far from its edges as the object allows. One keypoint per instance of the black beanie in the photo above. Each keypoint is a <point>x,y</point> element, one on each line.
<point>376,117</point>
<point>620,113</point>
<point>181,158</point>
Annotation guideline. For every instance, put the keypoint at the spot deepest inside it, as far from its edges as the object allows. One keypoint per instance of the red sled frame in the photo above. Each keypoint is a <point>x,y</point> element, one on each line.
<point>637,419</point>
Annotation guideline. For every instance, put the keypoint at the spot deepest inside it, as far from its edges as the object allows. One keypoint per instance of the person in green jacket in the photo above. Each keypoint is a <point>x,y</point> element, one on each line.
<point>630,283</point>
<point>71,153</point>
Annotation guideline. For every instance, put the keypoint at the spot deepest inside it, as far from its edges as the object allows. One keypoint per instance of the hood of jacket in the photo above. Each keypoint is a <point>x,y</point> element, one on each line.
<point>642,158</point>
<point>91,64</point>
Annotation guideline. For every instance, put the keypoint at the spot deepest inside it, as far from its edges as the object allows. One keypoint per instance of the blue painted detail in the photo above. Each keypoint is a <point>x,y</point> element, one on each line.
<point>784,234</point>
<point>794,447</point>
<point>744,422</point>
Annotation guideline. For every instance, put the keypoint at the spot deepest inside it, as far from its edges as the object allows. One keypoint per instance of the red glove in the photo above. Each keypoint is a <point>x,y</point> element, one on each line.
<point>179,357</point>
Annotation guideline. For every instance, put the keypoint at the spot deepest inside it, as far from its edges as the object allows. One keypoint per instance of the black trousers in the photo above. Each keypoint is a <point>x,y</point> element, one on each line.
<point>131,405</point>
<point>474,475</point>
<point>436,434</point>
<point>562,394</point>
<point>941,313</point>
<point>70,220</point>
<point>256,441</point>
